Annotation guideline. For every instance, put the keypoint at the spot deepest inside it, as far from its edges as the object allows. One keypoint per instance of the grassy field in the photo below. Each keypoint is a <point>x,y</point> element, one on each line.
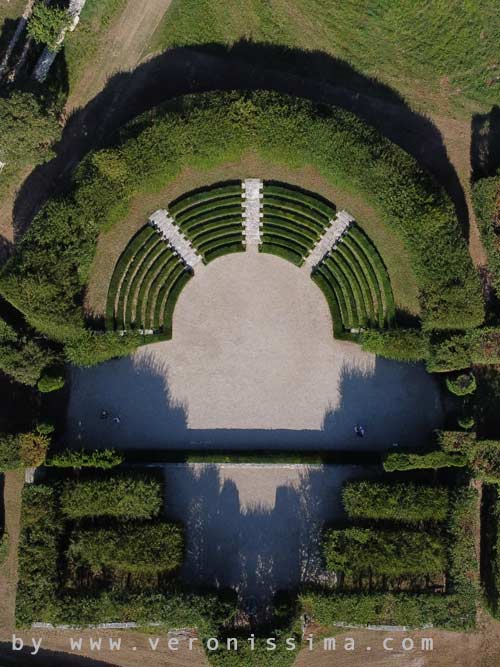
<point>83,43</point>
<point>447,47</point>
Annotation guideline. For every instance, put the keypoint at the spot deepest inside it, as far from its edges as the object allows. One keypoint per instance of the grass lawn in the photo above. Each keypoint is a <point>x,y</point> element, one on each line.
<point>81,45</point>
<point>111,244</point>
<point>419,47</point>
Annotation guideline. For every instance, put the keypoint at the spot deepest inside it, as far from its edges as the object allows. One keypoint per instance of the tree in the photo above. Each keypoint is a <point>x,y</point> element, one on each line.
<point>46,24</point>
<point>22,358</point>
<point>27,130</point>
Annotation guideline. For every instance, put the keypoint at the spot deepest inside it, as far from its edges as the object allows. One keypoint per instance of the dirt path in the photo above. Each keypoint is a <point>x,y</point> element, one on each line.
<point>8,572</point>
<point>123,49</point>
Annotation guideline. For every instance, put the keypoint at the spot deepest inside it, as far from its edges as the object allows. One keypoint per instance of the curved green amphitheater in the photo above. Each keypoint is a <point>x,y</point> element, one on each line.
<point>272,217</point>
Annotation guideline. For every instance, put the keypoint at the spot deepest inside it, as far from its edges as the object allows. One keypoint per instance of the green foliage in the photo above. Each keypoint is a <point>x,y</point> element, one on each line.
<point>46,275</point>
<point>461,384</point>
<point>10,455</point>
<point>136,548</point>
<point>46,23</point>
<point>52,380</point>
<point>456,441</point>
<point>281,655</point>
<point>485,461</point>
<point>97,458</point>
<point>405,501</point>
<point>123,496</point>
<point>414,461</point>
<point>411,610</point>
<point>466,422</point>
<point>21,357</point>
<point>41,530</point>
<point>92,348</point>
<point>462,350</point>
<point>27,130</point>
<point>23,449</point>
<point>491,559</point>
<point>397,344</point>
<point>361,551</point>
<point>285,252</point>
<point>486,199</point>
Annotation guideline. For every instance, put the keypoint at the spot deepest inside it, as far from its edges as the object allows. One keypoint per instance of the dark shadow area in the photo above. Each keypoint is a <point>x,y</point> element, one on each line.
<point>6,33</point>
<point>246,66</point>
<point>9,658</point>
<point>489,540</point>
<point>2,504</point>
<point>397,404</point>
<point>19,405</point>
<point>485,144</point>
<point>5,249</point>
<point>257,547</point>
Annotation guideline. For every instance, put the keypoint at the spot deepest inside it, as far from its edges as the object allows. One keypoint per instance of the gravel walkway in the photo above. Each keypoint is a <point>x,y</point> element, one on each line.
<point>252,364</point>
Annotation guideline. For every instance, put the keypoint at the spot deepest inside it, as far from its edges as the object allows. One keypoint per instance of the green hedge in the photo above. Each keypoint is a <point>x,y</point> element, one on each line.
<point>223,250</point>
<point>347,292</point>
<point>50,268</point>
<point>281,224</point>
<point>491,553</point>
<point>172,298</point>
<point>151,286</point>
<point>398,344</point>
<point>359,273</point>
<point>370,276</point>
<point>283,251</point>
<point>137,242</point>
<point>305,216</point>
<point>97,458</point>
<point>283,216</point>
<point>89,348</point>
<point>458,351</point>
<point>369,551</point>
<point>123,496</point>
<point>218,217</point>
<point>190,199</point>
<point>307,199</point>
<point>336,295</point>
<point>486,197</point>
<point>430,460</point>
<point>136,548</point>
<point>163,296</point>
<point>404,609</point>
<point>350,278</point>
<point>373,256</point>
<point>39,544</point>
<point>285,238</point>
<point>333,301</point>
<point>405,501</point>
<point>216,207</point>
<point>140,283</point>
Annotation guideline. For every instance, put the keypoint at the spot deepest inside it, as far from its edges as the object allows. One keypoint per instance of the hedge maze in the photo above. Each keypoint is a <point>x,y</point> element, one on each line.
<point>145,286</point>
<point>356,285</point>
<point>293,221</point>
<point>211,219</point>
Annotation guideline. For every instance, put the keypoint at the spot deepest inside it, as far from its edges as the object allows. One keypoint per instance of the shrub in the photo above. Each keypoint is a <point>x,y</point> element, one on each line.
<point>461,384</point>
<point>97,458</point>
<point>358,551</point>
<point>90,349</point>
<point>456,441</point>
<point>485,460</point>
<point>415,461</point>
<point>406,609</point>
<point>10,456</point>
<point>50,381</point>
<point>21,357</point>
<point>124,496</point>
<point>466,422</point>
<point>491,536</point>
<point>147,548</point>
<point>27,130</point>
<point>397,344</point>
<point>39,542</point>
<point>486,199</point>
<point>406,501</point>
<point>46,23</point>
<point>33,448</point>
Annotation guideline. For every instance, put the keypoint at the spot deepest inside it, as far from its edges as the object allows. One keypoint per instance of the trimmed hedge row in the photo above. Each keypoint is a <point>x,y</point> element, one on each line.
<point>288,252</point>
<point>431,460</point>
<point>359,282</point>
<point>146,293</point>
<point>222,250</point>
<point>135,548</point>
<point>294,195</point>
<point>123,496</point>
<point>211,218</point>
<point>407,502</point>
<point>136,243</point>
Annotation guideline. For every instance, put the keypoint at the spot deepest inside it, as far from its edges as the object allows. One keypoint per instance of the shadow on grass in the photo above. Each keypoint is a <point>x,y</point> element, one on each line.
<point>247,66</point>
<point>485,144</point>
